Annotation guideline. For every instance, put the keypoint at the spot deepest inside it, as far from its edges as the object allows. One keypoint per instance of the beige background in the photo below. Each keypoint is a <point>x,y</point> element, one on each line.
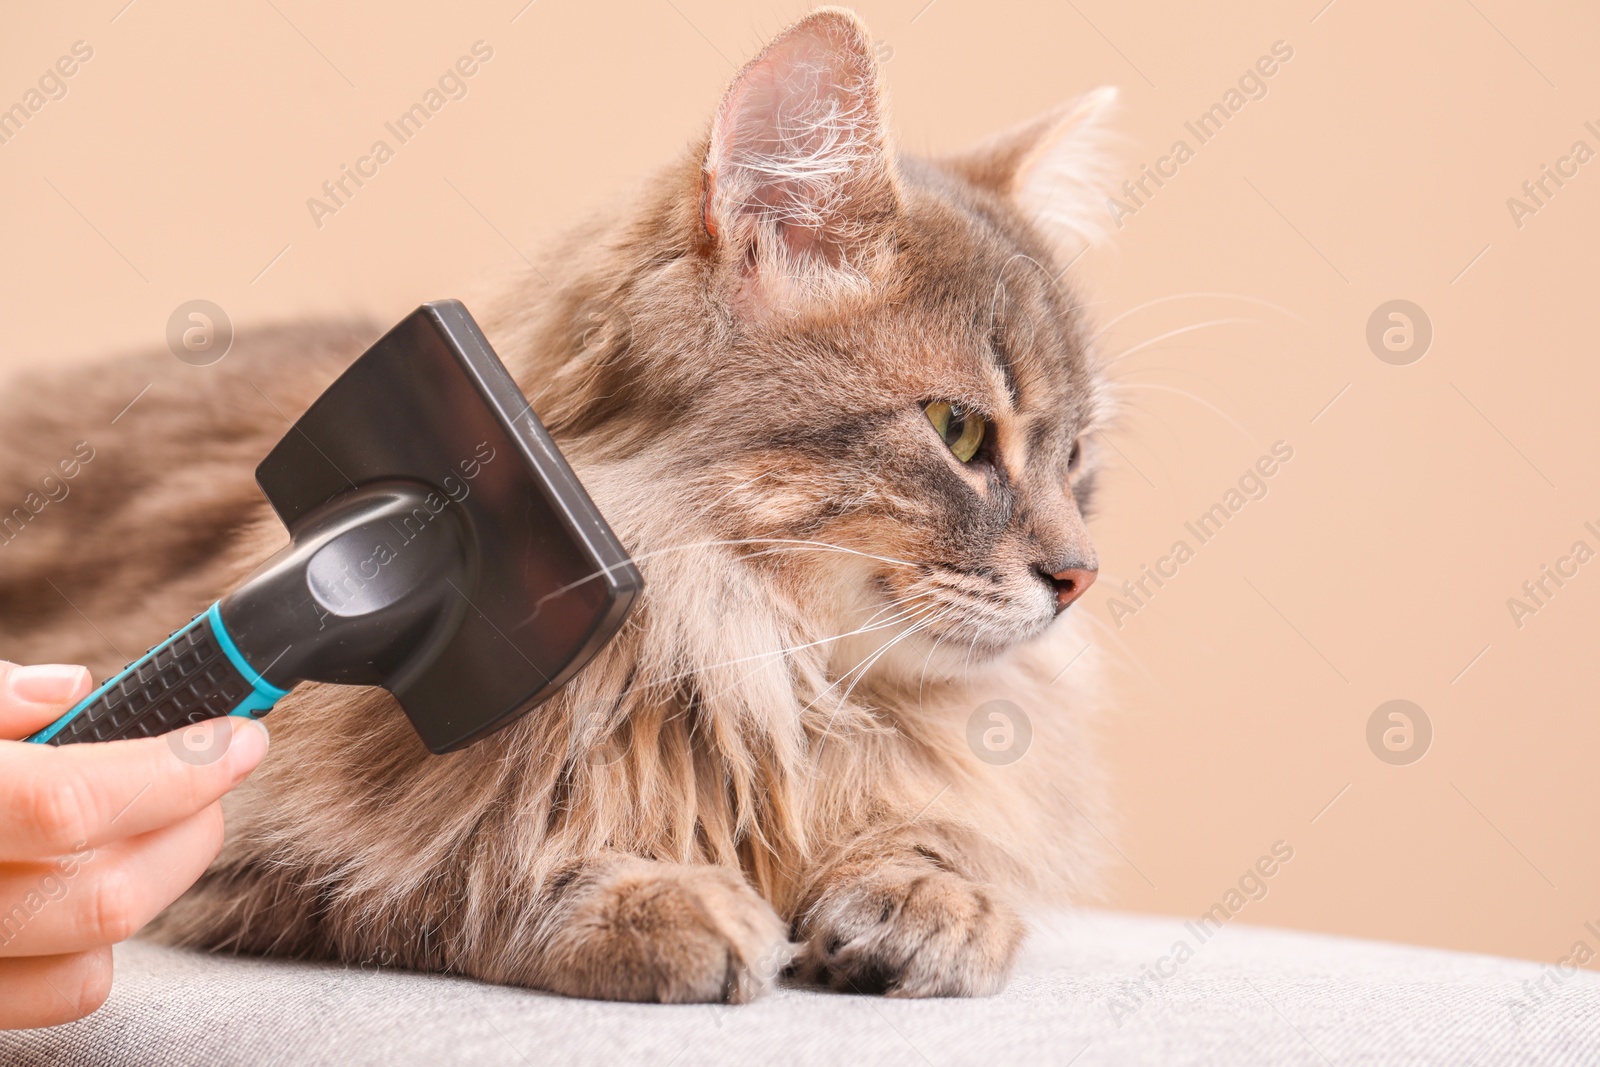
<point>1378,166</point>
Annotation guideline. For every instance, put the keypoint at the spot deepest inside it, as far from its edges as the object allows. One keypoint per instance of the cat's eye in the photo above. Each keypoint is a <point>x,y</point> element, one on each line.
<point>963,431</point>
<point>1075,456</point>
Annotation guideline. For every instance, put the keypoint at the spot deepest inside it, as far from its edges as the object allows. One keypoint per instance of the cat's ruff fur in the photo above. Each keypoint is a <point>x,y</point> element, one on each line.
<point>735,366</point>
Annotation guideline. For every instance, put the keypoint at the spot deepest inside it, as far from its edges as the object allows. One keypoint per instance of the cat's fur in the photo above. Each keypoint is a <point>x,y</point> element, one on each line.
<point>736,364</point>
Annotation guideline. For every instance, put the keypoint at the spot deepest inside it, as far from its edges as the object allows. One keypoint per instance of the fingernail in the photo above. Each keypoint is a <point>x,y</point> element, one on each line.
<point>248,746</point>
<point>47,683</point>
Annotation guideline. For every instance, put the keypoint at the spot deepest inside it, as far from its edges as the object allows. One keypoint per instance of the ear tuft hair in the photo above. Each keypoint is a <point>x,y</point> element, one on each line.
<point>797,175</point>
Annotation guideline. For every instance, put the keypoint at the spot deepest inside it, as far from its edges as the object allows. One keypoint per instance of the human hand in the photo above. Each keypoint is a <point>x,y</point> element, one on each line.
<point>96,839</point>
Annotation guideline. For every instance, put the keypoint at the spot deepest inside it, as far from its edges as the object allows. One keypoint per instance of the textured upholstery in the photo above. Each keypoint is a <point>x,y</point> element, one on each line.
<point>1082,995</point>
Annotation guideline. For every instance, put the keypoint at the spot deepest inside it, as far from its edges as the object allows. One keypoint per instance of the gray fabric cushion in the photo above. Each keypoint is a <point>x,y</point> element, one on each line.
<point>1248,995</point>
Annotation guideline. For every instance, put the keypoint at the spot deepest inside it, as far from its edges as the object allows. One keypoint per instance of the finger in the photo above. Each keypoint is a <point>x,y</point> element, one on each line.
<point>33,697</point>
<point>55,800</point>
<point>82,902</point>
<point>51,990</point>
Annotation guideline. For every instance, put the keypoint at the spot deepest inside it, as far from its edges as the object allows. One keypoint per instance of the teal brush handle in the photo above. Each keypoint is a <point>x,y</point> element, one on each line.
<point>196,674</point>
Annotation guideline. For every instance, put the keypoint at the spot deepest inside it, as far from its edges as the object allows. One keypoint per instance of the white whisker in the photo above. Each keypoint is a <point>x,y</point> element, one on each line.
<point>1202,401</point>
<point>1125,353</point>
<point>866,663</point>
<point>540,603</point>
<point>861,670</point>
<point>1186,296</point>
<point>790,649</point>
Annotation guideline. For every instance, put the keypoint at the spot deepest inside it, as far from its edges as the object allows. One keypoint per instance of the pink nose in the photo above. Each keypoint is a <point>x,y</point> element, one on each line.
<point>1071,584</point>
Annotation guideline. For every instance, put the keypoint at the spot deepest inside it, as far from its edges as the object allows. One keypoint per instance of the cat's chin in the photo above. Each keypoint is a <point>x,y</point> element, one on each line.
<point>961,653</point>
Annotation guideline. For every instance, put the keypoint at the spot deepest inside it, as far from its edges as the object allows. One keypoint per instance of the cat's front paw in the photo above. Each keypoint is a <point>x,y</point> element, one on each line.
<point>674,933</point>
<point>910,932</point>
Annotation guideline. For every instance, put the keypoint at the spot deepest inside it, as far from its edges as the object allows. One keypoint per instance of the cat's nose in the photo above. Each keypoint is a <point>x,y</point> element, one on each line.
<point>1070,584</point>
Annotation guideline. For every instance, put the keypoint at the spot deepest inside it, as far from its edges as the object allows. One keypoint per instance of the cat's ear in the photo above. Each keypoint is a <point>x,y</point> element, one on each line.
<point>1056,167</point>
<point>798,181</point>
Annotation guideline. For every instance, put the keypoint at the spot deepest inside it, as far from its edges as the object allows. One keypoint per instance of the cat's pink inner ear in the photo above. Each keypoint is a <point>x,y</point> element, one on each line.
<point>798,155</point>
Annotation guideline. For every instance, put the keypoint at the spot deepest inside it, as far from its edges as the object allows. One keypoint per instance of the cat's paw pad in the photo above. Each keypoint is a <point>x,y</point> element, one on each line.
<point>910,933</point>
<point>673,933</point>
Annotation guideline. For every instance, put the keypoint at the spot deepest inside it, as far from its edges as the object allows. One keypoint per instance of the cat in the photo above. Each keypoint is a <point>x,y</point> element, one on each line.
<point>843,409</point>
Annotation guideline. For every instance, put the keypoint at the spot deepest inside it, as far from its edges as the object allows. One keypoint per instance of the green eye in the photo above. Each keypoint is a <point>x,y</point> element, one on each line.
<point>961,431</point>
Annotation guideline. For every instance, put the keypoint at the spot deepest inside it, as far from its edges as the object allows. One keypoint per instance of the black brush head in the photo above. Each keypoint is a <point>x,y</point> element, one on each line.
<point>458,487</point>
